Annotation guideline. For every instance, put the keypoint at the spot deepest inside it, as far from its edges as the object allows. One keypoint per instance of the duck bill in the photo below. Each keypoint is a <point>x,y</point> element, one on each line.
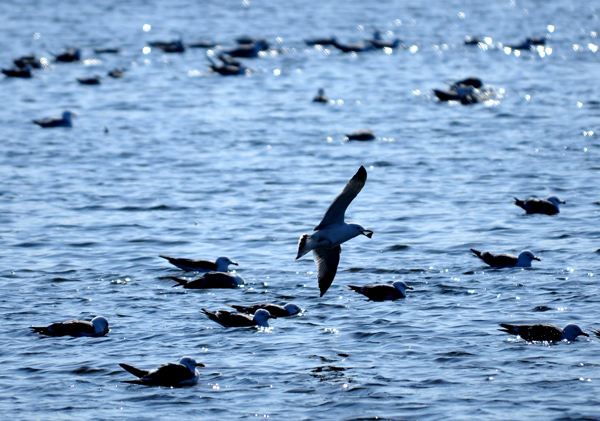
<point>367,233</point>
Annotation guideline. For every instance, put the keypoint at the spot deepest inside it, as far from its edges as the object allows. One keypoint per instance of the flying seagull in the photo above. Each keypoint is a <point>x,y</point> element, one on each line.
<point>383,292</point>
<point>229,319</point>
<point>544,332</point>
<point>504,260</point>
<point>290,309</point>
<point>97,327</point>
<point>220,265</point>
<point>183,373</point>
<point>547,206</point>
<point>333,231</point>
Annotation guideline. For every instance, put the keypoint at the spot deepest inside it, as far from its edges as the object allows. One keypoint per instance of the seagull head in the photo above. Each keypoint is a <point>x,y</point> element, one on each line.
<point>528,256</point>
<point>262,316</point>
<point>401,286</point>
<point>571,331</point>
<point>100,324</point>
<point>292,308</point>
<point>225,261</point>
<point>360,230</point>
<point>190,363</point>
<point>556,201</point>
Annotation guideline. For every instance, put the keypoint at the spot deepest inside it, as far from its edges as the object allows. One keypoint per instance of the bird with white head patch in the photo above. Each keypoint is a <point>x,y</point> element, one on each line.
<point>200,265</point>
<point>544,332</point>
<point>229,319</point>
<point>504,260</point>
<point>383,292</point>
<point>76,328</point>
<point>183,373</point>
<point>547,206</point>
<point>333,231</point>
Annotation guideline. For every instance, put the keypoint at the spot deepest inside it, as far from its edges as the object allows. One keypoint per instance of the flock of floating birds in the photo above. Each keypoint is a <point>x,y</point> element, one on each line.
<point>225,62</point>
<point>325,242</point>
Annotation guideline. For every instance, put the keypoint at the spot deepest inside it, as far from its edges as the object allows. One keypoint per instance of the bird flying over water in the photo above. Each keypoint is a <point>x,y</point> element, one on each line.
<point>333,231</point>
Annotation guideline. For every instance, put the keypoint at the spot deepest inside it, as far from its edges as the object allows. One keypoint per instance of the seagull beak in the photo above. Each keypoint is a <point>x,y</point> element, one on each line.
<point>367,233</point>
<point>537,258</point>
<point>272,317</point>
<point>585,334</point>
<point>563,202</point>
<point>200,365</point>
<point>234,263</point>
<point>409,288</point>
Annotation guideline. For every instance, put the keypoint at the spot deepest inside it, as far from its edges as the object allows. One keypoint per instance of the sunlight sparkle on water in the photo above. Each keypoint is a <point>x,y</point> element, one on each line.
<point>146,27</point>
<point>146,50</point>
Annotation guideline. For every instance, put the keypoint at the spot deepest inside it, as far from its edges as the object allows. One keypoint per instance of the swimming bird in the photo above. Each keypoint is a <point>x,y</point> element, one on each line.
<point>183,373</point>
<point>544,332</point>
<point>333,231</point>
<point>77,328</point>
<point>321,97</point>
<point>362,135</point>
<point>211,280</point>
<point>116,73</point>
<point>175,46</point>
<point>228,66</point>
<point>107,50</point>
<point>547,206</point>
<point>202,44</point>
<point>229,319</point>
<point>22,72</point>
<point>320,41</point>
<point>220,265</point>
<point>94,80</point>
<point>30,60</point>
<point>290,309</point>
<point>69,56</point>
<point>64,121</point>
<point>378,42</point>
<point>383,292</point>
<point>352,48</point>
<point>507,260</point>
<point>250,50</point>
<point>469,40</point>
<point>528,43</point>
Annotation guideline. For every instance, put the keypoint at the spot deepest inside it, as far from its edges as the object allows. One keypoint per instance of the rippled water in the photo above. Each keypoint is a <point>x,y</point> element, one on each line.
<point>199,165</point>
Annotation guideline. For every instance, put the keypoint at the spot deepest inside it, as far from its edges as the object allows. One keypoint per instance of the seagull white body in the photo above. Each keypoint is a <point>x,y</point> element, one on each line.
<point>333,231</point>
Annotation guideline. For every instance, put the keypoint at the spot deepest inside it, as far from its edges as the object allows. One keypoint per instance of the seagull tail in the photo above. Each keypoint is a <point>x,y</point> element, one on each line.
<point>519,203</point>
<point>135,371</point>
<point>304,245</point>
<point>40,329</point>
<point>179,281</point>
<point>477,253</point>
<point>238,308</point>
<point>508,329</point>
<point>355,288</point>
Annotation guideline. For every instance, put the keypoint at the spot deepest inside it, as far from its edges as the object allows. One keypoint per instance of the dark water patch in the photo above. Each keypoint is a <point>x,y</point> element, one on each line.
<point>398,247</point>
<point>542,309</point>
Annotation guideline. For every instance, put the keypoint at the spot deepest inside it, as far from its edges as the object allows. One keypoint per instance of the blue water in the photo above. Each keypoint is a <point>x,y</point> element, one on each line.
<point>199,165</point>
